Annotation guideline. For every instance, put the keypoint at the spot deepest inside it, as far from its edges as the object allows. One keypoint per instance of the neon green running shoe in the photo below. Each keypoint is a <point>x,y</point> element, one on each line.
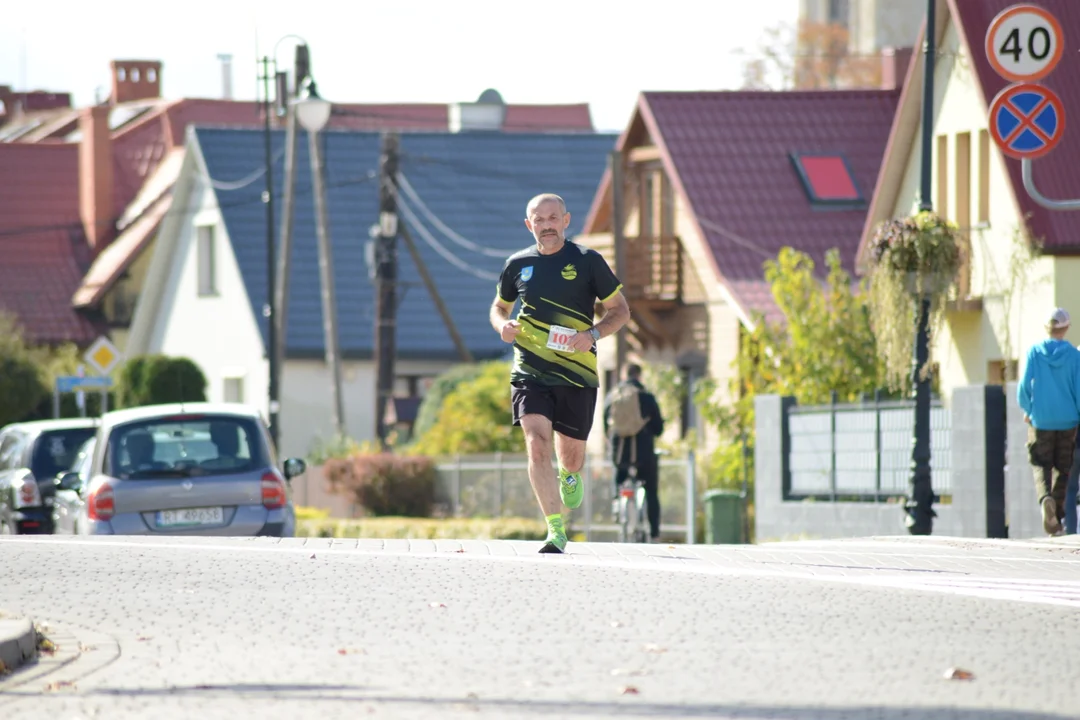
<point>556,536</point>
<point>571,489</point>
<point>555,542</point>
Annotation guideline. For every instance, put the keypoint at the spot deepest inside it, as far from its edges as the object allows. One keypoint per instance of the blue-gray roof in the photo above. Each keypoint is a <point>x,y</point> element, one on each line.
<point>475,184</point>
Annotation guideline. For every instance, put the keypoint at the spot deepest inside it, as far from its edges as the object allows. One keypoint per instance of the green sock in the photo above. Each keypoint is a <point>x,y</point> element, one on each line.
<point>555,524</point>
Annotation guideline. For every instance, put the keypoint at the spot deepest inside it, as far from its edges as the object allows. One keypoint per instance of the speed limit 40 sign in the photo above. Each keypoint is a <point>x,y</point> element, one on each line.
<point>1024,43</point>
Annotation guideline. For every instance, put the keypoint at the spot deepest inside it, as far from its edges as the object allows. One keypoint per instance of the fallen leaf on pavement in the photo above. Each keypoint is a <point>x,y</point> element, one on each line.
<point>350,651</point>
<point>312,556</point>
<point>59,684</point>
<point>44,644</point>
<point>958,674</point>
<point>437,605</point>
<point>670,547</point>
<point>654,648</point>
<point>142,638</point>
<point>628,690</point>
<point>460,550</point>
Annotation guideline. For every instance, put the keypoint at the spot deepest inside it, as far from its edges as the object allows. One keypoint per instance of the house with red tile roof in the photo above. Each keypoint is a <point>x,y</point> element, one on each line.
<point>83,191</point>
<point>712,185</point>
<point>1002,302</point>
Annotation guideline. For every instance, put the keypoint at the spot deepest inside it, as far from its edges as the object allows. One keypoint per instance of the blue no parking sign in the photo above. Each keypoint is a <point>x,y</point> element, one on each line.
<point>1027,120</point>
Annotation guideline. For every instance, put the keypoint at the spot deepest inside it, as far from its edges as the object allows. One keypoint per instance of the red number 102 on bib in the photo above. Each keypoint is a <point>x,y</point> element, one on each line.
<point>559,338</point>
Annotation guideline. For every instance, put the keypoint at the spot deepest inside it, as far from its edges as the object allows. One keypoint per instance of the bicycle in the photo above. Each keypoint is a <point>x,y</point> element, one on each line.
<point>630,510</point>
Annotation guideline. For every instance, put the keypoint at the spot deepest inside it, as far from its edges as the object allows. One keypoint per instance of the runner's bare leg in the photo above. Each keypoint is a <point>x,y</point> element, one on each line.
<point>538,442</point>
<point>571,452</point>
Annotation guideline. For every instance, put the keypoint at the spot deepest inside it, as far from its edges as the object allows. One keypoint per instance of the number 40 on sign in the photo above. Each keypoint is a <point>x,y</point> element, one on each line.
<point>1024,43</point>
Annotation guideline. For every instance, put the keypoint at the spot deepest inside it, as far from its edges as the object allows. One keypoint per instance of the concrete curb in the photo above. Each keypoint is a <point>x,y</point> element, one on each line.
<point>18,642</point>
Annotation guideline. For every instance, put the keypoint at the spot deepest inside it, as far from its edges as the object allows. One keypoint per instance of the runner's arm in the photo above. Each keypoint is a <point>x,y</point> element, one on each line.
<point>500,313</point>
<point>616,314</point>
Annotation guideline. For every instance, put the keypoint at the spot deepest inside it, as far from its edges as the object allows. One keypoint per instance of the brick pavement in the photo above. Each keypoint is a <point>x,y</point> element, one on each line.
<point>190,627</point>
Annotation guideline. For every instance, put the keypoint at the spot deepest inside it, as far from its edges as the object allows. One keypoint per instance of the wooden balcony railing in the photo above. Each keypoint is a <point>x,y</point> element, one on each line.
<point>653,268</point>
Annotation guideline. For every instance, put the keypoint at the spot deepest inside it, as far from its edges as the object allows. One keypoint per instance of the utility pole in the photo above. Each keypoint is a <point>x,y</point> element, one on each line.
<point>284,261</point>
<point>615,162</point>
<point>268,308</point>
<point>386,282</point>
<point>920,501</point>
<point>429,283</point>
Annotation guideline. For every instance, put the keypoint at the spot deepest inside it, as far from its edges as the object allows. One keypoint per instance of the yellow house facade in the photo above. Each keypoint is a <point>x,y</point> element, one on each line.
<point>1005,290</point>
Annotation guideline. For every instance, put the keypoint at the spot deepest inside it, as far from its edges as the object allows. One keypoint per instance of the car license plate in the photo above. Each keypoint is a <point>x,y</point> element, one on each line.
<point>190,516</point>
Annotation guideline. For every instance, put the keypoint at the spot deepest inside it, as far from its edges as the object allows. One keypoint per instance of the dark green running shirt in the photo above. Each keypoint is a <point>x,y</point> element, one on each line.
<point>557,291</point>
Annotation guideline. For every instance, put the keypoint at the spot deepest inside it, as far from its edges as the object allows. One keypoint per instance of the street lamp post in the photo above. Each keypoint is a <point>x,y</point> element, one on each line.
<point>919,506</point>
<point>313,112</point>
<point>273,309</point>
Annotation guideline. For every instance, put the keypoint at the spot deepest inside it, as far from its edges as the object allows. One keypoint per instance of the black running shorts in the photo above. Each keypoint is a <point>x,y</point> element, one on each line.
<point>570,409</point>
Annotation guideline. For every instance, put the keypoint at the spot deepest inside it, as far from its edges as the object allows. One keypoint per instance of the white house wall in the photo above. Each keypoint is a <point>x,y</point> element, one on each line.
<point>306,398</point>
<point>217,332</point>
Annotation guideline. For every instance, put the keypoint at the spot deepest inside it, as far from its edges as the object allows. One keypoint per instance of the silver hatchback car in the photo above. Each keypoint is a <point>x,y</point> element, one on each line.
<point>190,469</point>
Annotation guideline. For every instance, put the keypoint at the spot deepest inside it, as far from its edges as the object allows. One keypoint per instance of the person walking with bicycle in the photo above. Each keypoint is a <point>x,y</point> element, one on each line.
<point>632,422</point>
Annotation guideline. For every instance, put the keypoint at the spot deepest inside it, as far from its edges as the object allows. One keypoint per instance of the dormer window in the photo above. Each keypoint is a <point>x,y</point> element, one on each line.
<point>828,180</point>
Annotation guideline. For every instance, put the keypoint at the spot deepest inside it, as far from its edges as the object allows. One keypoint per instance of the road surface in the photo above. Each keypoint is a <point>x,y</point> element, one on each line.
<point>265,628</point>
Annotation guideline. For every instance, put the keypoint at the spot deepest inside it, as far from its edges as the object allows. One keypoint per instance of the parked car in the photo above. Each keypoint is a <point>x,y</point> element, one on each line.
<point>32,455</point>
<point>68,503</point>
<point>187,469</point>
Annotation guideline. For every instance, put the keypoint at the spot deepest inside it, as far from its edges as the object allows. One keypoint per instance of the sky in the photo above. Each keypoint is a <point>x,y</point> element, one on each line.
<point>603,52</point>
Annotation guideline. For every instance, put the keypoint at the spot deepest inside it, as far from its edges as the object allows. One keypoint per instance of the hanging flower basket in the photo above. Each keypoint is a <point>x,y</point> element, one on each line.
<point>911,259</point>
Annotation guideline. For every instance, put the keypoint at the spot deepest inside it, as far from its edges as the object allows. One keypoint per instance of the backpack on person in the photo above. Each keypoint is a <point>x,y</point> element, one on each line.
<point>626,419</point>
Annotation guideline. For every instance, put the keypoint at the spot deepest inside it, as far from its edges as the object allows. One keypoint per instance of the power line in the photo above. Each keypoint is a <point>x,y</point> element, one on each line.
<point>405,185</point>
<point>435,245</point>
<point>247,180</point>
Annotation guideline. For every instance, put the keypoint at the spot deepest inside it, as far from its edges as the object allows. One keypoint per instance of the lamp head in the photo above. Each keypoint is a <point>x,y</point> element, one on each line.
<point>312,110</point>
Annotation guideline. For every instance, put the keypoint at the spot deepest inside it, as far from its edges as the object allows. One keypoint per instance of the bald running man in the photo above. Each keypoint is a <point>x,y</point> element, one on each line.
<point>553,383</point>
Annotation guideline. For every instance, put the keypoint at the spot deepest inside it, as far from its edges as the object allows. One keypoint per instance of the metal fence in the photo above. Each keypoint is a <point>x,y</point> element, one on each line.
<point>862,450</point>
<point>497,485</point>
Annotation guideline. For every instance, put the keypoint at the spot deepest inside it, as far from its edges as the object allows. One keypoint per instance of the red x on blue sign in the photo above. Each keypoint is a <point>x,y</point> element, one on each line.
<point>1027,120</point>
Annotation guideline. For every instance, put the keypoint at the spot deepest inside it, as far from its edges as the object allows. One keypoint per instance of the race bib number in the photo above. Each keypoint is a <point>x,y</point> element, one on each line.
<point>559,338</point>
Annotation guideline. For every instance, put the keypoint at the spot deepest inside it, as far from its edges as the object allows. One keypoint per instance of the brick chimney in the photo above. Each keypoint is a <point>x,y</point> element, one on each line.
<point>96,176</point>
<point>894,67</point>
<point>135,80</point>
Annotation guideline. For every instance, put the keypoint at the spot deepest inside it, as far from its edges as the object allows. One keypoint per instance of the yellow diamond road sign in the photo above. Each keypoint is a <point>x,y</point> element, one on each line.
<point>102,356</point>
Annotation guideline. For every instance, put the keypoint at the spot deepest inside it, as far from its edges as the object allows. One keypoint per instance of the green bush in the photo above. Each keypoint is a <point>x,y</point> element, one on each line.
<point>428,412</point>
<point>159,379</point>
<point>385,484</point>
<point>475,417</point>
<point>399,528</point>
<point>23,380</point>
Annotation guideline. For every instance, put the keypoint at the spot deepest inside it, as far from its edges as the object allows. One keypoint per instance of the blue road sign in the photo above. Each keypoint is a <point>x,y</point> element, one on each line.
<point>1027,120</point>
<point>74,383</point>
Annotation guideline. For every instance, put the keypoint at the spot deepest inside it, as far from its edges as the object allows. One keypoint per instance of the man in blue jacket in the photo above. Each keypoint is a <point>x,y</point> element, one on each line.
<point>1049,395</point>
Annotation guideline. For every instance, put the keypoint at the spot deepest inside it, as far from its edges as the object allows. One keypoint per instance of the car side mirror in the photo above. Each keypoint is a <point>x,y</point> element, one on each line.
<point>294,467</point>
<point>67,481</point>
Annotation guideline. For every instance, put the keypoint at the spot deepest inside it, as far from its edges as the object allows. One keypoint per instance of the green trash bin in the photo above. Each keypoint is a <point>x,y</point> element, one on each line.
<point>723,517</point>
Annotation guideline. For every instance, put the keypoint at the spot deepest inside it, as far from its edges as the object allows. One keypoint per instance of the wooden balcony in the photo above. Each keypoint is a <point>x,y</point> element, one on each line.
<point>652,281</point>
<point>653,269</point>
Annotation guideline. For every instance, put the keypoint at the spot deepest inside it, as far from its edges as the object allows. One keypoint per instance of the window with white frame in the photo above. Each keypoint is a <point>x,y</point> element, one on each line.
<point>234,390</point>
<point>207,256</point>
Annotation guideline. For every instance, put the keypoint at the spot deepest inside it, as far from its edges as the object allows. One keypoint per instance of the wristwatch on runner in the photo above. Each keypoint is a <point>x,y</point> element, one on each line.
<point>595,334</point>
